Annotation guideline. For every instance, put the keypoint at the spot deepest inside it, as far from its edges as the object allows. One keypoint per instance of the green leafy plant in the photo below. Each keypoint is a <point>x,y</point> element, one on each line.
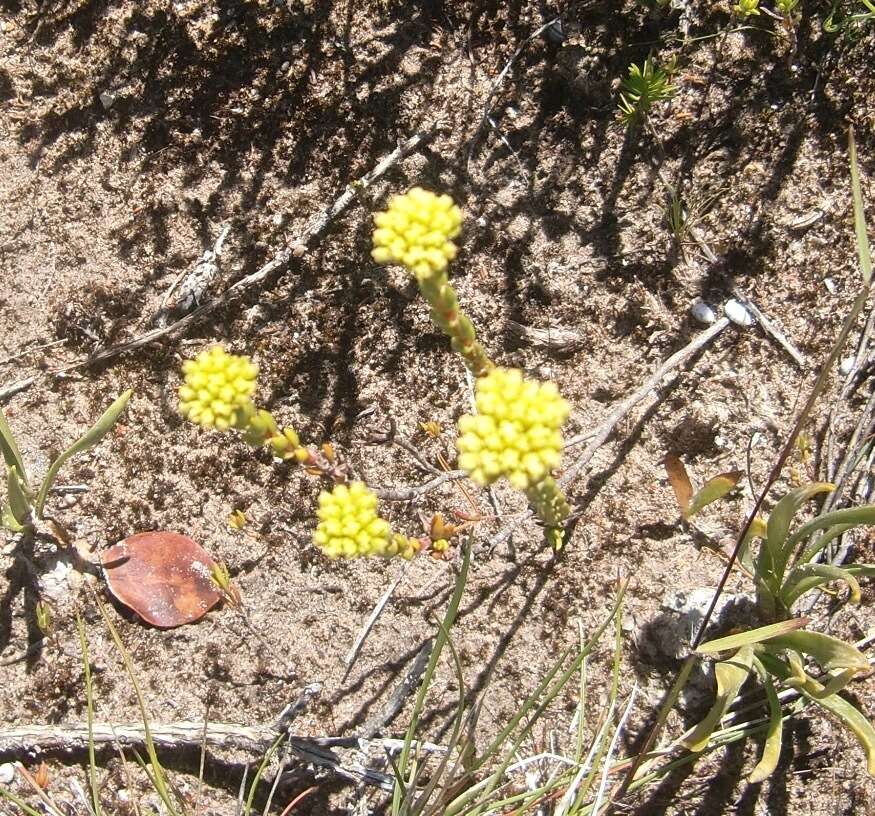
<point>642,88</point>
<point>747,8</point>
<point>785,569</point>
<point>23,503</point>
<point>786,7</point>
<point>843,21</point>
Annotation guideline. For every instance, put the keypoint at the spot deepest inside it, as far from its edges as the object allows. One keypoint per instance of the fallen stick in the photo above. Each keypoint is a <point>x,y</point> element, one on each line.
<point>30,350</point>
<point>604,430</point>
<point>770,328</point>
<point>15,388</point>
<point>487,105</point>
<point>299,247</point>
<point>610,422</point>
<point>353,653</point>
<point>411,493</point>
<point>34,739</point>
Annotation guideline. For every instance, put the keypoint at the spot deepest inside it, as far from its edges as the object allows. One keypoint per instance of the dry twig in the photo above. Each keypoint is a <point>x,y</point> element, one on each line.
<point>15,388</point>
<point>487,105</point>
<point>351,656</point>
<point>25,740</point>
<point>610,422</point>
<point>410,493</point>
<point>770,328</point>
<point>298,248</point>
<point>554,338</point>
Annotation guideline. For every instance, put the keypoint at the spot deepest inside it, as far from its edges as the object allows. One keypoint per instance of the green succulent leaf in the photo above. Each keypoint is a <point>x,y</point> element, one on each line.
<point>751,636</point>
<point>846,519</point>
<point>88,440</point>
<point>757,529</point>
<point>17,500</point>
<point>774,733</point>
<point>712,490</point>
<point>831,653</point>
<point>731,675</point>
<point>856,721</point>
<point>775,549</point>
<point>808,576</point>
<point>8,521</point>
<point>9,449</point>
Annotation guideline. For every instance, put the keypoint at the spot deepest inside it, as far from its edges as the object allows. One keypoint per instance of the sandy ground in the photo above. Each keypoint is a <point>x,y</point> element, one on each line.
<point>132,132</point>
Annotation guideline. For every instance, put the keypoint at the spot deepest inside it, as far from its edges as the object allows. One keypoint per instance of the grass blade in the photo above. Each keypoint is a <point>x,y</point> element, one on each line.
<point>863,250</point>
<point>89,702</point>
<point>157,775</point>
<point>9,448</point>
<point>88,440</point>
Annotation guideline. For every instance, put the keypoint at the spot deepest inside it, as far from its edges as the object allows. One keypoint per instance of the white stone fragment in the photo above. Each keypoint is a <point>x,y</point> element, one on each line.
<point>846,365</point>
<point>702,312</point>
<point>54,583</point>
<point>7,773</point>
<point>738,314</point>
<point>830,285</point>
<point>107,99</point>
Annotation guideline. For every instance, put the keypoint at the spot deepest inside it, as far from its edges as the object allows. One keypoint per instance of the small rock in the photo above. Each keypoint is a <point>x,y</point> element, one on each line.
<point>702,312</point>
<point>738,314</point>
<point>847,365</point>
<point>7,773</point>
<point>830,285</point>
<point>54,583</point>
<point>107,99</point>
<point>668,636</point>
<point>682,615</point>
<point>277,219</point>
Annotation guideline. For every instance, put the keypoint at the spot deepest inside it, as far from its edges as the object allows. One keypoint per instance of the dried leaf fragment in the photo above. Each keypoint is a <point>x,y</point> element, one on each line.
<point>163,576</point>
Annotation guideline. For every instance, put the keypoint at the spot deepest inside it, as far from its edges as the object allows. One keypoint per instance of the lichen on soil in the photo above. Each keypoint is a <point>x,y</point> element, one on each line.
<point>132,132</point>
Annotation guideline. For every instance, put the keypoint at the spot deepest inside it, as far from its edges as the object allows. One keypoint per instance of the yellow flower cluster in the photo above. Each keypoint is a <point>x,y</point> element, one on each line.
<point>417,231</point>
<point>217,389</point>
<point>350,526</point>
<point>516,432</point>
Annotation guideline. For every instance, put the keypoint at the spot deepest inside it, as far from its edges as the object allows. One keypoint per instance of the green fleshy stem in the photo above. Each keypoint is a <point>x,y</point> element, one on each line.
<point>260,428</point>
<point>454,323</point>
<point>551,506</point>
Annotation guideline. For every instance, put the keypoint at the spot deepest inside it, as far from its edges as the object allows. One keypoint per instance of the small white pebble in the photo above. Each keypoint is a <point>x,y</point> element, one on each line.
<point>830,285</point>
<point>278,219</point>
<point>703,312</point>
<point>7,773</point>
<point>846,365</point>
<point>738,314</point>
<point>123,795</point>
<point>107,99</point>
